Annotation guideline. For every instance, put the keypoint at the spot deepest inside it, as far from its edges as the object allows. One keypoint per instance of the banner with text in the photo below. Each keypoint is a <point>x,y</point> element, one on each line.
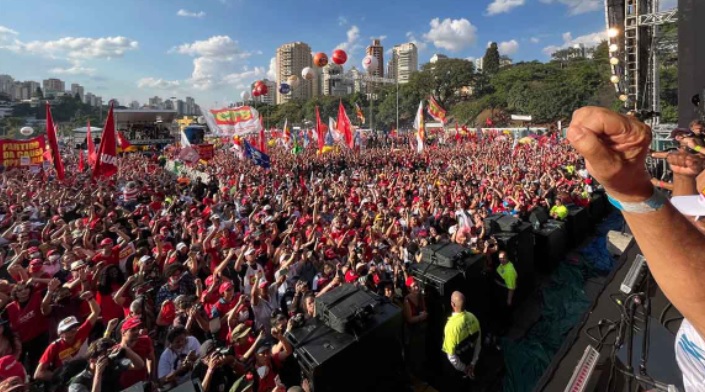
<point>205,151</point>
<point>233,121</point>
<point>16,153</point>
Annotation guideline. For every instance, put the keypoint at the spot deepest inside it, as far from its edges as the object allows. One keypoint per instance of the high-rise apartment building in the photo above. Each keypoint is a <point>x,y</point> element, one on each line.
<point>436,57</point>
<point>180,107</point>
<point>6,82</point>
<point>77,89</point>
<point>404,62</point>
<point>54,87</point>
<point>479,62</point>
<point>156,102</point>
<point>134,105</point>
<point>291,59</point>
<point>190,106</point>
<point>376,50</point>
<point>89,99</point>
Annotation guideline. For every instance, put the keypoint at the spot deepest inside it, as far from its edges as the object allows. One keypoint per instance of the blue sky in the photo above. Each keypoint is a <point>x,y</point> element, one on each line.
<point>212,49</point>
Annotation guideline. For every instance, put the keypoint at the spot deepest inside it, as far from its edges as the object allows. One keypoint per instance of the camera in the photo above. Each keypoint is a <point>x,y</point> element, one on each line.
<point>118,361</point>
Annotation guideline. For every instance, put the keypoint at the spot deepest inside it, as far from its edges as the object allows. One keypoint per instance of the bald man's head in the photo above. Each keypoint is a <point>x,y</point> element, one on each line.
<point>457,301</point>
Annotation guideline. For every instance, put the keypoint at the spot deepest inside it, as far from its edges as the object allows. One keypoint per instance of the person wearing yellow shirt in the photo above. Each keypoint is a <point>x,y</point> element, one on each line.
<point>559,211</point>
<point>507,277</point>
<point>462,342</point>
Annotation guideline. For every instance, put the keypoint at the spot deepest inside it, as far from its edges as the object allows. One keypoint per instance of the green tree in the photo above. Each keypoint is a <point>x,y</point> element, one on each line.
<point>38,93</point>
<point>490,63</point>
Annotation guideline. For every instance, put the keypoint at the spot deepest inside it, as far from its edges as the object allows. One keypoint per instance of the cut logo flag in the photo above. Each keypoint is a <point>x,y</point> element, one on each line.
<point>321,131</point>
<point>359,113</point>
<point>124,143</point>
<point>54,145</point>
<point>106,164</point>
<point>420,128</point>
<point>344,126</point>
<point>435,110</point>
<point>256,156</point>
<point>91,146</point>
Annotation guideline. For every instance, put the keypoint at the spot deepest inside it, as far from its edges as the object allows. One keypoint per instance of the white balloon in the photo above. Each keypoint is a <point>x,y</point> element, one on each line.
<point>307,73</point>
<point>245,95</point>
<point>293,81</point>
<point>369,63</point>
<point>26,131</point>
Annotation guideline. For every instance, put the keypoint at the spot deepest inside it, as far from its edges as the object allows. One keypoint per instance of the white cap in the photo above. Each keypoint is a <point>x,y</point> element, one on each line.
<point>66,324</point>
<point>249,251</point>
<point>181,245</point>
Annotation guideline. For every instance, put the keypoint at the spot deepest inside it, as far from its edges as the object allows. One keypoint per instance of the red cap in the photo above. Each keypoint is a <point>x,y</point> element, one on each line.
<point>112,214</point>
<point>33,249</point>
<point>225,286</point>
<point>52,252</point>
<point>10,367</point>
<point>409,281</point>
<point>106,241</point>
<point>132,322</point>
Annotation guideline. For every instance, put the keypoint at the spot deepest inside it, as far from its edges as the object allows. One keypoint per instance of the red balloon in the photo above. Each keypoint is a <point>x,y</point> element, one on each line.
<point>258,83</point>
<point>255,92</point>
<point>339,56</point>
<point>262,89</point>
<point>320,59</point>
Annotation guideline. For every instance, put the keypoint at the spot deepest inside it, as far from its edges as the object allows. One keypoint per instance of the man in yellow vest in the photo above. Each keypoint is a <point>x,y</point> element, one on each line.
<point>507,277</point>
<point>461,343</point>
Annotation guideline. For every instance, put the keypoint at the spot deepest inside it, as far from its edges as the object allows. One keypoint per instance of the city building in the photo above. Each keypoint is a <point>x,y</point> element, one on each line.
<point>356,76</point>
<point>291,59</point>
<point>504,61</point>
<point>134,105</point>
<point>89,99</point>
<point>404,62</point>
<point>6,82</point>
<point>55,87</point>
<point>156,102</point>
<point>169,104</point>
<point>98,101</point>
<point>271,96</point>
<point>77,89</point>
<point>436,57</point>
<point>478,64</point>
<point>335,82</point>
<point>23,91</point>
<point>180,107</point>
<point>190,106</point>
<point>377,50</point>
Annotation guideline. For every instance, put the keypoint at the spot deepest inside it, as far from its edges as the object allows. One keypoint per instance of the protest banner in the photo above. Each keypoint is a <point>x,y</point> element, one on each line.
<point>16,153</point>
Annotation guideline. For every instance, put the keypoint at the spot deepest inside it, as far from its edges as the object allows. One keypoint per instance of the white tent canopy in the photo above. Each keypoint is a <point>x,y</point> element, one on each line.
<point>85,130</point>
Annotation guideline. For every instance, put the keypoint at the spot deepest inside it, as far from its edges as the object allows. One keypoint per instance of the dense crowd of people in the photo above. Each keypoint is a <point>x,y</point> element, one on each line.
<point>161,280</point>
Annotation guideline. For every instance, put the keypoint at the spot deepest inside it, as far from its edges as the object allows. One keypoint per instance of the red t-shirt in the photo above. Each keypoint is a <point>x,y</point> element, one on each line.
<point>111,259</point>
<point>145,349</point>
<point>28,322</point>
<point>108,308</point>
<point>60,352</point>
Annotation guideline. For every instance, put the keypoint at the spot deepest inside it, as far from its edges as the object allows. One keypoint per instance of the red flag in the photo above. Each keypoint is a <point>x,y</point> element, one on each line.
<point>54,145</point>
<point>124,143</point>
<point>488,122</point>
<point>344,126</point>
<point>91,146</point>
<point>457,132</point>
<point>321,130</point>
<point>80,161</point>
<point>262,140</point>
<point>106,164</point>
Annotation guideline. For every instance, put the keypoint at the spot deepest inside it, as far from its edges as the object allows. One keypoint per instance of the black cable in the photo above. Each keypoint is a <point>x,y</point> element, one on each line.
<point>663,313</point>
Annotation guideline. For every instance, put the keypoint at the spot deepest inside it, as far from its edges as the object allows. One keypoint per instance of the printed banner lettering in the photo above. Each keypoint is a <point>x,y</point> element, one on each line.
<point>205,151</point>
<point>15,153</point>
<point>235,121</point>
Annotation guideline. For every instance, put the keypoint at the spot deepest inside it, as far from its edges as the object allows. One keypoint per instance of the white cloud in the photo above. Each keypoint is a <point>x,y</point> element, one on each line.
<point>160,84</point>
<point>75,69</point>
<point>241,80</point>
<point>502,6</point>
<point>508,48</point>
<point>576,7</point>
<point>6,32</point>
<point>218,46</point>
<point>272,71</point>
<point>471,58</point>
<point>420,45</point>
<point>342,21</point>
<point>588,40</point>
<point>353,41</point>
<point>187,14</point>
<point>534,40</point>
<point>451,34</point>
<point>77,48</point>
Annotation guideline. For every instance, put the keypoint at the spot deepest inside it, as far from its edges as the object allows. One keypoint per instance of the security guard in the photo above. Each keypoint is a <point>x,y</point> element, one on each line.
<point>507,278</point>
<point>461,342</point>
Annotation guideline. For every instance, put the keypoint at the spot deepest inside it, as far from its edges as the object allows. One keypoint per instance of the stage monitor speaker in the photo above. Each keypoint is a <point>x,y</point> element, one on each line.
<point>578,224</point>
<point>551,245</point>
<point>691,57</point>
<point>346,308</point>
<point>325,355</point>
<point>445,254</point>
<point>491,224</point>
<point>538,217</point>
<point>520,251</point>
<point>508,223</point>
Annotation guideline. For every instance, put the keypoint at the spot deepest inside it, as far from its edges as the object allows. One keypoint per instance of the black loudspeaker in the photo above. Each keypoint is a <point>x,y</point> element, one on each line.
<point>326,356</point>
<point>346,308</point>
<point>578,224</point>
<point>445,254</point>
<point>551,245</point>
<point>491,224</point>
<point>508,223</point>
<point>598,207</point>
<point>691,57</point>
<point>538,217</point>
<point>443,280</point>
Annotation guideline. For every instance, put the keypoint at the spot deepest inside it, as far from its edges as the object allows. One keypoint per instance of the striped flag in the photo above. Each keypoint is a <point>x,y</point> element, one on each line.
<point>420,127</point>
<point>435,110</point>
<point>359,113</point>
<point>287,133</point>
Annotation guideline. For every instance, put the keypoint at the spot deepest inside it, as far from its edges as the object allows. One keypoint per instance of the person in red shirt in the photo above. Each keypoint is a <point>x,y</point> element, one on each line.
<point>27,320</point>
<point>143,347</point>
<point>108,253</point>
<point>72,342</point>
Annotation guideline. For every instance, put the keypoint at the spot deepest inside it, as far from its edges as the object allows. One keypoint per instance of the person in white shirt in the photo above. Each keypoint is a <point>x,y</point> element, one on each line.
<point>177,361</point>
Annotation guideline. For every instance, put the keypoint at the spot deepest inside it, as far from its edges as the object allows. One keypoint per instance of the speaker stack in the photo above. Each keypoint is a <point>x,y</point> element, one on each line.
<point>551,240</point>
<point>355,330</point>
<point>517,240</point>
